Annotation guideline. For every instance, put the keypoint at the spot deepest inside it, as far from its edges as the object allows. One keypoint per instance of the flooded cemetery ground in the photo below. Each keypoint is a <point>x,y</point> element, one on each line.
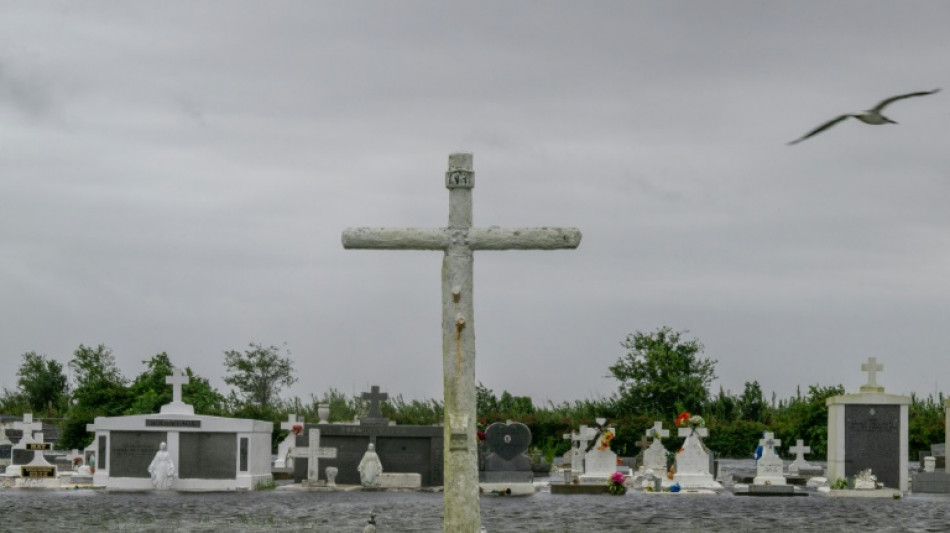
<point>347,511</point>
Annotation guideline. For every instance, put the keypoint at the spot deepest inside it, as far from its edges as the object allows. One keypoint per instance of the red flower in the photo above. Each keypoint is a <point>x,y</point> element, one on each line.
<point>683,417</point>
<point>297,429</point>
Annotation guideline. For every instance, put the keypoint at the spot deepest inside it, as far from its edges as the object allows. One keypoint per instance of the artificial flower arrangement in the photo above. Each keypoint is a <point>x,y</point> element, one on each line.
<point>480,431</point>
<point>296,428</point>
<point>605,440</point>
<point>615,485</point>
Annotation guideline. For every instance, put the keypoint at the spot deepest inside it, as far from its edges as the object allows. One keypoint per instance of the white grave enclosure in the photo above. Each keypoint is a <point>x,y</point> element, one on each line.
<point>209,453</point>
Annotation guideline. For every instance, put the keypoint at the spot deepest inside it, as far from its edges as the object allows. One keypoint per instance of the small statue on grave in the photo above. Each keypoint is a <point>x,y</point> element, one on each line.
<point>370,468</point>
<point>162,469</point>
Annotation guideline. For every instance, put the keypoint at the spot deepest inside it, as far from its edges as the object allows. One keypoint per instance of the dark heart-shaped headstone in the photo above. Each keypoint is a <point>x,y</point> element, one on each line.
<point>508,440</point>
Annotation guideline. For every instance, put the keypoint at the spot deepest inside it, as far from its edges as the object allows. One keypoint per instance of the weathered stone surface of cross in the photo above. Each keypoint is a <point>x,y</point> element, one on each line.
<point>872,367</point>
<point>176,380</point>
<point>313,454</point>
<point>657,431</point>
<point>28,427</point>
<point>799,449</point>
<point>458,241</point>
<point>374,397</point>
<point>768,442</point>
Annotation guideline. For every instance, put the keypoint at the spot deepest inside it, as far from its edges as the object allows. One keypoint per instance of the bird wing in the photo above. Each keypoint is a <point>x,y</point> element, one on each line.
<point>880,107</point>
<point>821,128</point>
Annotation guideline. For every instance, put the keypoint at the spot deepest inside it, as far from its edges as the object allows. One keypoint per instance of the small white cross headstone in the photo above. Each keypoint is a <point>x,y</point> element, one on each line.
<point>799,449</point>
<point>291,422</point>
<point>799,463</point>
<point>313,454</point>
<point>289,443</point>
<point>657,431</point>
<point>872,367</point>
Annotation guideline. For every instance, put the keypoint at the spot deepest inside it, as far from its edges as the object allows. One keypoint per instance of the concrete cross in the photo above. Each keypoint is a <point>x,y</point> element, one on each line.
<point>799,449</point>
<point>872,367</point>
<point>768,442</point>
<point>291,422</point>
<point>313,453</point>
<point>374,397</point>
<point>176,380</point>
<point>643,443</point>
<point>458,241</point>
<point>28,427</point>
<point>657,431</point>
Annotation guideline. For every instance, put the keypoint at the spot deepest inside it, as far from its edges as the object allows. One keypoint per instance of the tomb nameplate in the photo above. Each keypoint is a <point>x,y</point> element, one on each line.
<point>172,423</point>
<point>872,440</point>
<point>207,455</point>
<point>39,446</point>
<point>37,471</point>
<point>132,451</point>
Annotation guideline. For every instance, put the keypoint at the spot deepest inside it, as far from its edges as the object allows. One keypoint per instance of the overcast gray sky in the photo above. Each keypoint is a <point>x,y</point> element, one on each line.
<point>175,176</point>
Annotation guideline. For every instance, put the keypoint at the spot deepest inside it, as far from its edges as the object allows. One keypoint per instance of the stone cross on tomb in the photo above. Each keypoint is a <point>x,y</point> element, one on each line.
<point>458,241</point>
<point>657,431</point>
<point>291,422</point>
<point>768,442</point>
<point>313,453</point>
<point>799,449</point>
<point>28,427</point>
<point>176,380</point>
<point>374,397</point>
<point>872,367</point>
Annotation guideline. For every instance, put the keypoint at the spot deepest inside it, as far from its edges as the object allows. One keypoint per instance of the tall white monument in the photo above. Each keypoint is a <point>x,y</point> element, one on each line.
<point>458,241</point>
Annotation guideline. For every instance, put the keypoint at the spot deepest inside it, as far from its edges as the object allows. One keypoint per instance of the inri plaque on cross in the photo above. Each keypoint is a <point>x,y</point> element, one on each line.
<point>458,241</point>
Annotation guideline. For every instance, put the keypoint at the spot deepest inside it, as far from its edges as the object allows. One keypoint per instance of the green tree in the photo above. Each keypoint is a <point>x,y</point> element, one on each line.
<point>150,391</point>
<point>99,390</point>
<point>752,405</point>
<point>662,375</point>
<point>259,374</point>
<point>43,384</point>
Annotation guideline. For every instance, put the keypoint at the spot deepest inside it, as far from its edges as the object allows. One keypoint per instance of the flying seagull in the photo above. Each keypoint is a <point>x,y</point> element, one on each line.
<point>871,116</point>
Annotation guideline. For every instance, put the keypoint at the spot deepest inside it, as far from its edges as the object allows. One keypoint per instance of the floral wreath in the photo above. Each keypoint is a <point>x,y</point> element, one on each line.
<point>605,440</point>
<point>297,429</point>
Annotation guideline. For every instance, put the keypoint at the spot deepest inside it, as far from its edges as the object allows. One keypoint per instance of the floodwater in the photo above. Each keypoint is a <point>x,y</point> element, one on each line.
<point>294,510</point>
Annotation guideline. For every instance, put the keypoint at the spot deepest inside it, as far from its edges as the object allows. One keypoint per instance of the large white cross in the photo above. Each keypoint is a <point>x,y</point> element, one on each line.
<point>872,367</point>
<point>458,241</point>
<point>657,431</point>
<point>176,380</point>
<point>314,453</point>
<point>799,449</point>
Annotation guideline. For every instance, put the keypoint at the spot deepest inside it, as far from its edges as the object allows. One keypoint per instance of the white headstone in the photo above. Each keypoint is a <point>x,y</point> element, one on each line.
<point>769,466</point>
<point>872,367</point>
<point>579,442</point>
<point>799,463</point>
<point>693,460</point>
<point>600,462</point>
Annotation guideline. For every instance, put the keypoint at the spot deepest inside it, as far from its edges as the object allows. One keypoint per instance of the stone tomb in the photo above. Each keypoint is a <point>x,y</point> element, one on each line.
<point>209,453</point>
<point>506,462</point>
<point>869,430</point>
<point>600,462</point>
<point>654,457</point>
<point>401,449</point>
<point>579,441</point>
